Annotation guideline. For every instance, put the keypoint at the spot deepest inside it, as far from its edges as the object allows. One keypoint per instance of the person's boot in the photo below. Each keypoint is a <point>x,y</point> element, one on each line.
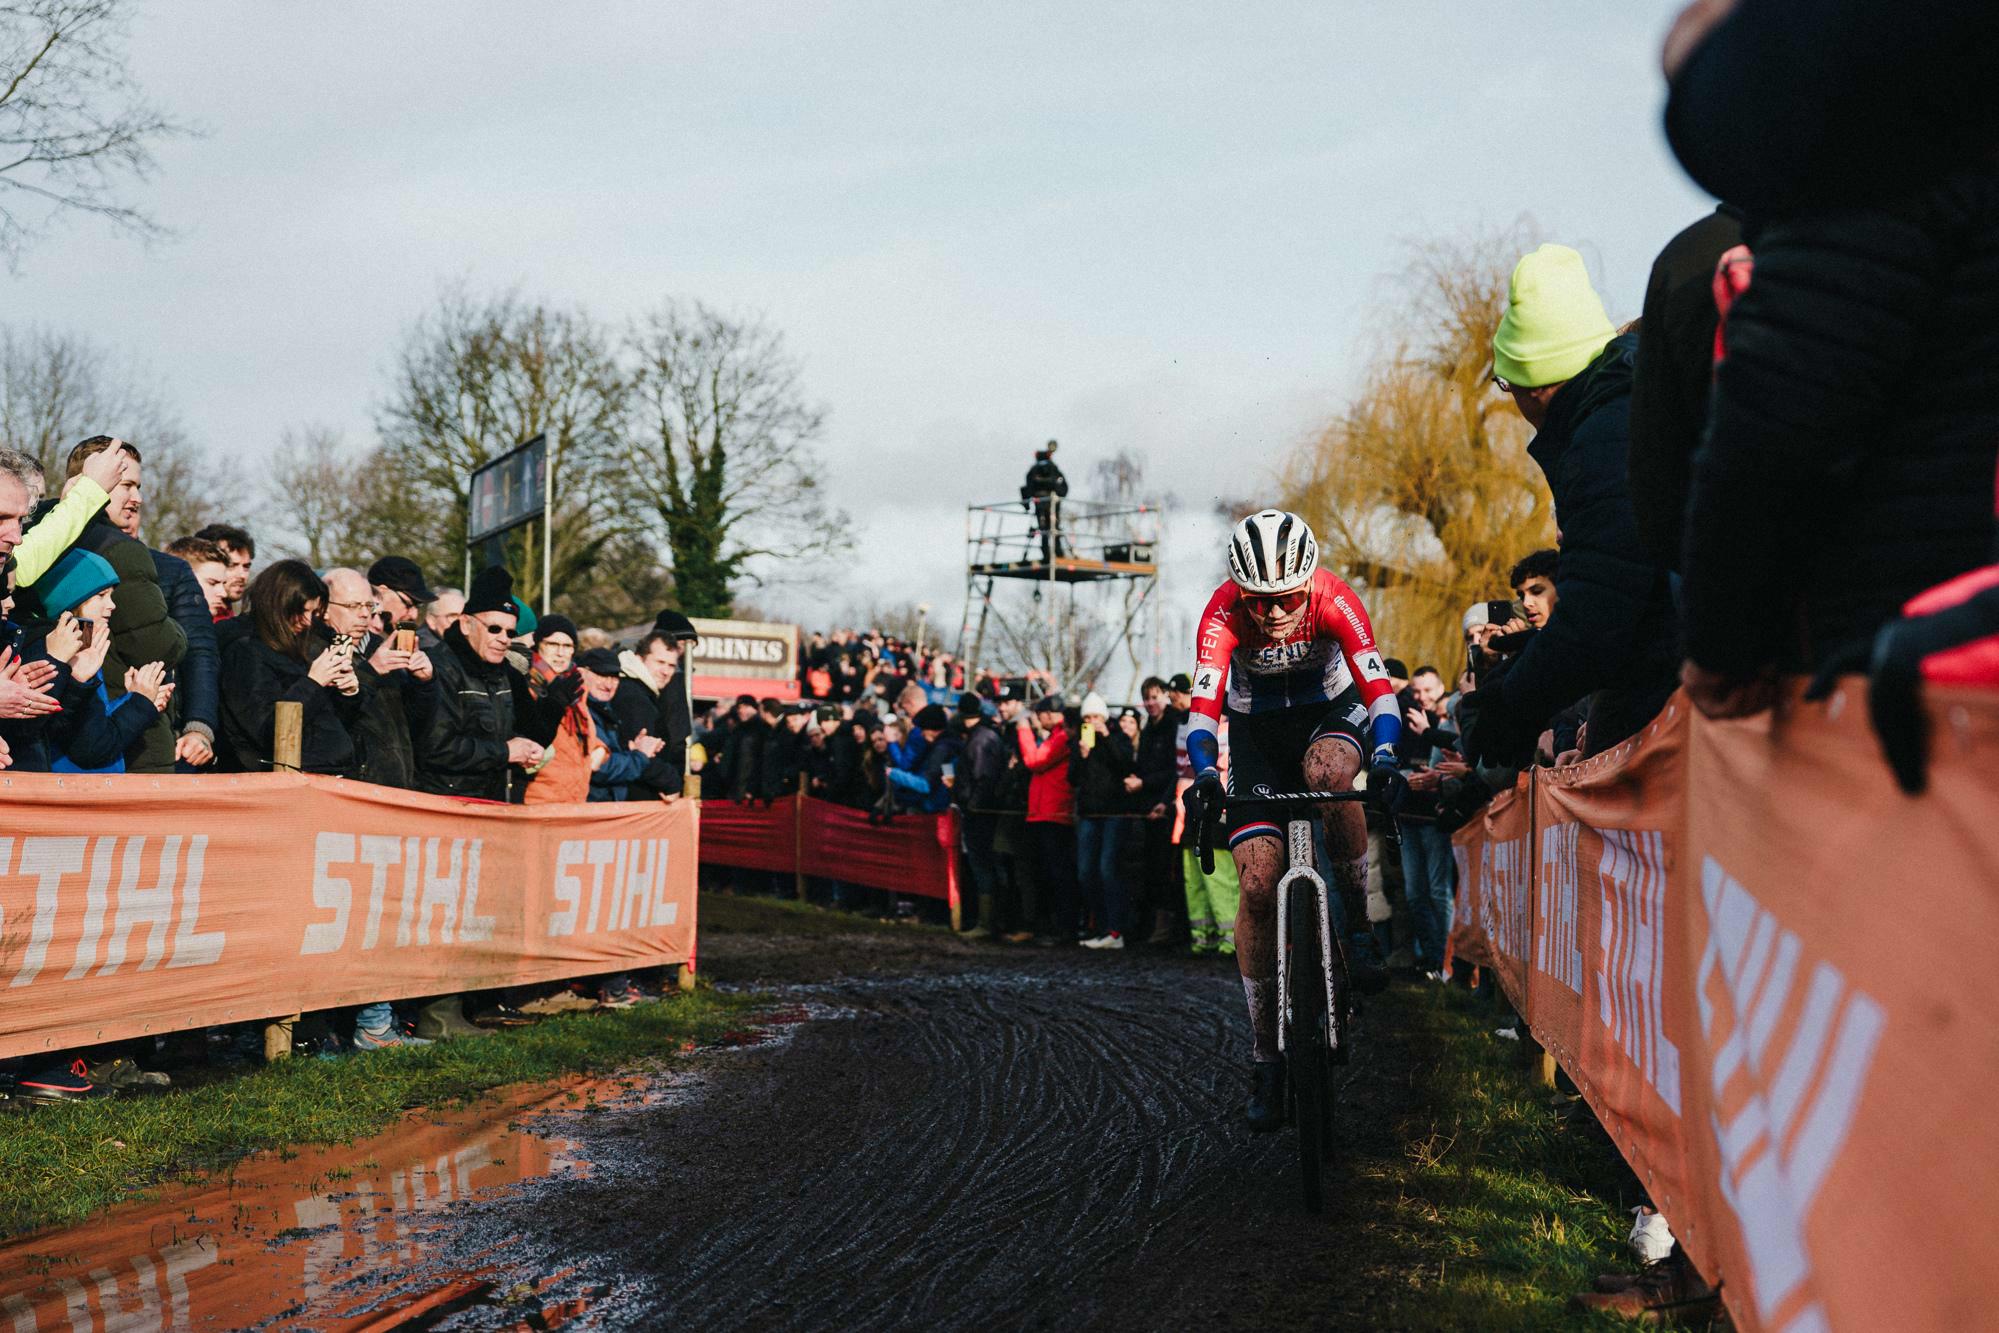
<point>982,929</point>
<point>1668,1290</point>
<point>1162,929</point>
<point>444,1018</point>
<point>1265,1111</point>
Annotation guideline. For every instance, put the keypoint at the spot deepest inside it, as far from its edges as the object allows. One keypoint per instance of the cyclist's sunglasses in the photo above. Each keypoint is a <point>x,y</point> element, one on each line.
<point>1276,604</point>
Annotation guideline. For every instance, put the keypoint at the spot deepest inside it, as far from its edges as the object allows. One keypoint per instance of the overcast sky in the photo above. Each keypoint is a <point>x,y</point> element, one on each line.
<point>1160,226</point>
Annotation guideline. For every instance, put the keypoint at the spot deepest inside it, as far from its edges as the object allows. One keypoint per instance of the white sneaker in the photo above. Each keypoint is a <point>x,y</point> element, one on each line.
<point>1105,942</point>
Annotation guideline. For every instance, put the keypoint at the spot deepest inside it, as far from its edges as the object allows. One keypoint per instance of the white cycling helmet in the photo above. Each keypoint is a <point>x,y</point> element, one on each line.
<point>1272,552</point>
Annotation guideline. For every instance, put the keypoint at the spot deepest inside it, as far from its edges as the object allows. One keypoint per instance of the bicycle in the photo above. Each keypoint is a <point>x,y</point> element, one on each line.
<point>1314,990</point>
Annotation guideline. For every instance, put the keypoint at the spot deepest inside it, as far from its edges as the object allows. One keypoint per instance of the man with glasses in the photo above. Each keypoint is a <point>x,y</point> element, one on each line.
<point>394,679</point>
<point>484,723</point>
<point>1287,650</point>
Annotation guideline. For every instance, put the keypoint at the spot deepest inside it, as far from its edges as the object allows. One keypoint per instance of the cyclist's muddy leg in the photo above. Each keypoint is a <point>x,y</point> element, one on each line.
<point>1330,765</point>
<point>1259,861</point>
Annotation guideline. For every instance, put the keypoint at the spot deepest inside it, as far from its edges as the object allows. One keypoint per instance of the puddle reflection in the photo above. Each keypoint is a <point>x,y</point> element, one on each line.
<point>335,1238</point>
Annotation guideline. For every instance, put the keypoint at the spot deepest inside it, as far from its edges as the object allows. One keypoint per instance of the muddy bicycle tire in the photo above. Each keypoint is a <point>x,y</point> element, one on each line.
<point>1309,1056</point>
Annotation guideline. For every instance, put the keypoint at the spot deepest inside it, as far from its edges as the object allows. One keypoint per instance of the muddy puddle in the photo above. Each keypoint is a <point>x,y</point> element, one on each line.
<point>360,1236</point>
<point>350,1237</point>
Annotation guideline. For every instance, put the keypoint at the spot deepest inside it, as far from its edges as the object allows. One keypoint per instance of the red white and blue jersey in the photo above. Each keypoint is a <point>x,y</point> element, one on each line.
<point>1239,668</point>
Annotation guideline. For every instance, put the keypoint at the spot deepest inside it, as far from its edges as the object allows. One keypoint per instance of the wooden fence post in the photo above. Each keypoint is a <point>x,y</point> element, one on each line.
<point>287,756</point>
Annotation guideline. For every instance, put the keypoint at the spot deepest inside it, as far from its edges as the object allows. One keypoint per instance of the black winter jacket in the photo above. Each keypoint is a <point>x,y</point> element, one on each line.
<point>1099,776</point>
<point>1159,758</point>
<point>1673,379</point>
<point>1854,430</point>
<point>1613,623</point>
<point>639,709</point>
<point>743,759</point>
<point>195,706</point>
<point>477,708</point>
<point>255,678</point>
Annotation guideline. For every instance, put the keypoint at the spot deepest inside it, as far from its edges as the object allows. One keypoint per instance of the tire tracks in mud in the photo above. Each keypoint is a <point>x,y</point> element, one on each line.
<point>1016,1140</point>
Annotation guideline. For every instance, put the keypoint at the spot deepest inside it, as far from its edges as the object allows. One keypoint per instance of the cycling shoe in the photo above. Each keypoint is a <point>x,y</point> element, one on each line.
<point>1265,1111</point>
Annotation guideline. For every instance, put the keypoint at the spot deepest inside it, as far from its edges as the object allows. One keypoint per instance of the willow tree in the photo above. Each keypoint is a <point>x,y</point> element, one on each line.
<point>1420,489</point>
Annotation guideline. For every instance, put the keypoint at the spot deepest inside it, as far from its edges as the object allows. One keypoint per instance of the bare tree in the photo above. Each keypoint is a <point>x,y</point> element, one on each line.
<point>722,456</point>
<point>57,389</point>
<point>74,127</point>
<point>474,379</point>
<point>314,492</point>
<point>1421,489</point>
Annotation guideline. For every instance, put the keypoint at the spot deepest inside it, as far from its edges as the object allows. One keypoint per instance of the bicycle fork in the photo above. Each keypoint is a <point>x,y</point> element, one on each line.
<point>1302,868</point>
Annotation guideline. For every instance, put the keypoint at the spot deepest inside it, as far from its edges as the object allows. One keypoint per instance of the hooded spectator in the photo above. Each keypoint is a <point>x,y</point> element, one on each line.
<point>742,761</point>
<point>95,730</point>
<point>1569,374</point>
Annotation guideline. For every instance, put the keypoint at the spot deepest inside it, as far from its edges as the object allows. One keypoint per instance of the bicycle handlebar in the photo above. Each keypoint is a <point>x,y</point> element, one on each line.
<point>1285,801</point>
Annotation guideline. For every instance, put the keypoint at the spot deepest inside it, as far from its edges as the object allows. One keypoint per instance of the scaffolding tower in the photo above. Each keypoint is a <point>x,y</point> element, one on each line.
<point>1032,585</point>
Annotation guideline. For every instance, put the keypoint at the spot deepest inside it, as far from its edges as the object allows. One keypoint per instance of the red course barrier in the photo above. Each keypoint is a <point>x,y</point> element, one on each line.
<point>913,854</point>
<point>1767,971</point>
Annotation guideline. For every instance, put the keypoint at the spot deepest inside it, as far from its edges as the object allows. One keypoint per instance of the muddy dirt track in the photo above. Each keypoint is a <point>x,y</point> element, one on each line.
<point>960,1137</point>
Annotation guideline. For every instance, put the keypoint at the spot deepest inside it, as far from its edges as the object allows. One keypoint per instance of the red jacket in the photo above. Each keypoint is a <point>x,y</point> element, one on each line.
<point>1050,798</point>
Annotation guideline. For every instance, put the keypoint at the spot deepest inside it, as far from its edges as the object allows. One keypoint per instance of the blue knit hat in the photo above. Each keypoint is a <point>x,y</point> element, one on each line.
<point>76,576</point>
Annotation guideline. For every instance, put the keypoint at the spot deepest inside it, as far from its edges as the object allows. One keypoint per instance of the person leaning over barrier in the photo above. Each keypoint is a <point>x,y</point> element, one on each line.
<point>1569,373</point>
<point>926,788</point>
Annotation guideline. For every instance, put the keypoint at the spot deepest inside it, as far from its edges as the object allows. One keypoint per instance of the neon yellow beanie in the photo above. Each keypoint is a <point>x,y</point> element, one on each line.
<point>1554,323</point>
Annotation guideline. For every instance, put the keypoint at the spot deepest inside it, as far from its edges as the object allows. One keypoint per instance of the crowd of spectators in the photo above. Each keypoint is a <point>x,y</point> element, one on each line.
<point>120,657</point>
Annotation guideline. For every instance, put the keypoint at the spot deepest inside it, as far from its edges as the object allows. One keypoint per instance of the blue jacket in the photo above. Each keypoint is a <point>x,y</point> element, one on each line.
<point>94,731</point>
<point>195,679</point>
<point>922,788</point>
<point>621,767</point>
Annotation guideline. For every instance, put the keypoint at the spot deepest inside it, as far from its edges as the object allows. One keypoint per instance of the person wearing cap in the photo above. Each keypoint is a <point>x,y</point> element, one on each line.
<point>400,594</point>
<point>739,770</point>
<point>1569,372</point>
<point>394,683</point>
<point>485,727</point>
<point>926,766</point>
<point>1051,813</point>
<point>624,760</point>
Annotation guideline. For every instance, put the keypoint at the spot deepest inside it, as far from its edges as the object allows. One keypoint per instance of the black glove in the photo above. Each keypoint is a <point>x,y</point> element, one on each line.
<point>1203,800</point>
<point>1386,784</point>
<point>564,690</point>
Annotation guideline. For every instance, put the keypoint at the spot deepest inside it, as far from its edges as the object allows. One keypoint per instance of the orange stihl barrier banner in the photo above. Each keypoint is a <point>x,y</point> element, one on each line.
<point>912,854</point>
<point>132,905</point>
<point>1767,971</point>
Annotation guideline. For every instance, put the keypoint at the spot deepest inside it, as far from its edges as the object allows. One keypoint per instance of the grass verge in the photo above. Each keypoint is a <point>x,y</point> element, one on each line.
<point>1518,1205</point>
<point>65,1163</point>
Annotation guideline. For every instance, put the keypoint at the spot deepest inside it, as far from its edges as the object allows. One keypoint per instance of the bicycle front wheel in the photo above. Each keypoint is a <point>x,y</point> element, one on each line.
<point>1307,1046</point>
